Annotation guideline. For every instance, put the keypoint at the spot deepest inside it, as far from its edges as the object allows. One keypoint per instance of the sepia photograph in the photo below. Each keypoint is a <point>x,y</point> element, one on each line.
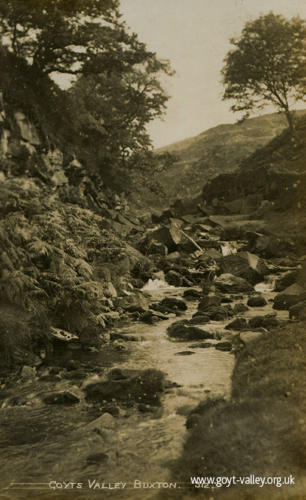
<point>152,250</point>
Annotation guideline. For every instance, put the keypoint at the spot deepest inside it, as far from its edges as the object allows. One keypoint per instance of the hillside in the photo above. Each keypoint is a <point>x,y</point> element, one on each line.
<point>217,150</point>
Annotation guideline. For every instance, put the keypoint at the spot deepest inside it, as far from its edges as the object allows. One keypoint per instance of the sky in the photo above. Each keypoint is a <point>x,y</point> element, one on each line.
<point>194,35</point>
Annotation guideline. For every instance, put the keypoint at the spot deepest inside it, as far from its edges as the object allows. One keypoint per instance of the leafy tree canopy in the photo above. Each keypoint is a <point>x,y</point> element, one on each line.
<point>267,65</point>
<point>117,88</point>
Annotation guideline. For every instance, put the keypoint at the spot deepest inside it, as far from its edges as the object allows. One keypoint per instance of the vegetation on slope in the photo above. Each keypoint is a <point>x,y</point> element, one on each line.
<point>261,430</point>
<point>219,149</point>
<point>55,265</point>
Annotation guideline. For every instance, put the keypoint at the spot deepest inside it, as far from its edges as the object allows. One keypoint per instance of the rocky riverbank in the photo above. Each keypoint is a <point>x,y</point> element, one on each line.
<point>221,301</point>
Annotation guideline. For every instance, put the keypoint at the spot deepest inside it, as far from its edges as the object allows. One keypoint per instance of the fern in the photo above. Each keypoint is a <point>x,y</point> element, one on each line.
<point>38,248</point>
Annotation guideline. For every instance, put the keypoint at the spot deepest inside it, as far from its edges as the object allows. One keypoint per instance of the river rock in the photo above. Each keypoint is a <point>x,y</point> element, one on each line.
<point>240,308</point>
<point>289,297</point>
<point>174,278</point>
<point>144,387</point>
<point>60,398</point>
<point>227,283</point>
<point>248,337</point>
<point>237,324</point>
<point>245,265</point>
<point>267,321</point>
<point>224,346</point>
<point>284,281</point>
<point>150,317</point>
<point>219,313</point>
<point>192,294</point>
<point>134,302</point>
<point>184,331</point>
<point>257,301</point>
<point>199,319</point>
<point>170,304</point>
<point>168,236</point>
<point>209,301</point>
<point>267,246</point>
<point>106,421</point>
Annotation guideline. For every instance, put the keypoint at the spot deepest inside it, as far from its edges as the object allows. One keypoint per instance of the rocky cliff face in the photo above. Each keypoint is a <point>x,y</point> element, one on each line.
<point>275,173</point>
<point>64,259</point>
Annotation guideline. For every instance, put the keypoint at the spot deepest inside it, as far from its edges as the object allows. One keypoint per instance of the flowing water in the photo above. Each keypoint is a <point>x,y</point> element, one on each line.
<point>42,444</point>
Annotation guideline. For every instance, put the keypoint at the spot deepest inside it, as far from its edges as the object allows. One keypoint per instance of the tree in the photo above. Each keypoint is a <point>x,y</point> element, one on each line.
<point>117,104</point>
<point>267,65</point>
<point>116,89</point>
<point>57,35</point>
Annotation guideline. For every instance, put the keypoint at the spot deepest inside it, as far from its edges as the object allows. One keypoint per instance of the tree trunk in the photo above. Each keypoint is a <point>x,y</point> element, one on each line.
<point>290,119</point>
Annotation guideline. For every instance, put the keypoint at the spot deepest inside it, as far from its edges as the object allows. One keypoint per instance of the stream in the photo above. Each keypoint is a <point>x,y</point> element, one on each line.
<point>42,444</point>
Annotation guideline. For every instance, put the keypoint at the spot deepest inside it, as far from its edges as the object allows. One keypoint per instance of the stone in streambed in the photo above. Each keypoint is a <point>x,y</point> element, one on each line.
<point>257,301</point>
<point>170,304</point>
<point>249,337</point>
<point>286,280</point>
<point>237,324</point>
<point>224,346</point>
<point>174,278</point>
<point>192,294</point>
<point>267,321</point>
<point>199,319</point>
<point>151,317</point>
<point>184,331</point>
<point>144,387</point>
<point>220,313</point>
<point>228,283</point>
<point>184,353</point>
<point>245,265</point>
<point>289,297</point>
<point>61,398</point>
<point>240,308</point>
<point>207,302</point>
<point>105,421</point>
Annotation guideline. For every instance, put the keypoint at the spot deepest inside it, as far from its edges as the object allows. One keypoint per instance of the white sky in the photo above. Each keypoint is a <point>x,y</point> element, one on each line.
<point>194,35</point>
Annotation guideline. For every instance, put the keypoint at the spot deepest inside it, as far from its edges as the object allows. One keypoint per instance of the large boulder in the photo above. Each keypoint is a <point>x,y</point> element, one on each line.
<point>257,301</point>
<point>182,330</point>
<point>249,337</point>
<point>133,302</point>
<point>170,304</point>
<point>144,387</point>
<point>169,236</point>
<point>287,279</point>
<point>268,321</point>
<point>207,302</point>
<point>245,265</point>
<point>228,283</point>
<point>237,324</point>
<point>289,297</point>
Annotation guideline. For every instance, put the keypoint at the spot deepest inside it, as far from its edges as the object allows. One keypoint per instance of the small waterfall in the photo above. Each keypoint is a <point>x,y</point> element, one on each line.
<point>266,286</point>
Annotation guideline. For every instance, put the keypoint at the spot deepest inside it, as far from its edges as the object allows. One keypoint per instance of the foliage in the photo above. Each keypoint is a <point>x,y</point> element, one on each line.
<point>57,35</point>
<point>116,106</point>
<point>48,256</point>
<point>116,92</point>
<point>267,65</point>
